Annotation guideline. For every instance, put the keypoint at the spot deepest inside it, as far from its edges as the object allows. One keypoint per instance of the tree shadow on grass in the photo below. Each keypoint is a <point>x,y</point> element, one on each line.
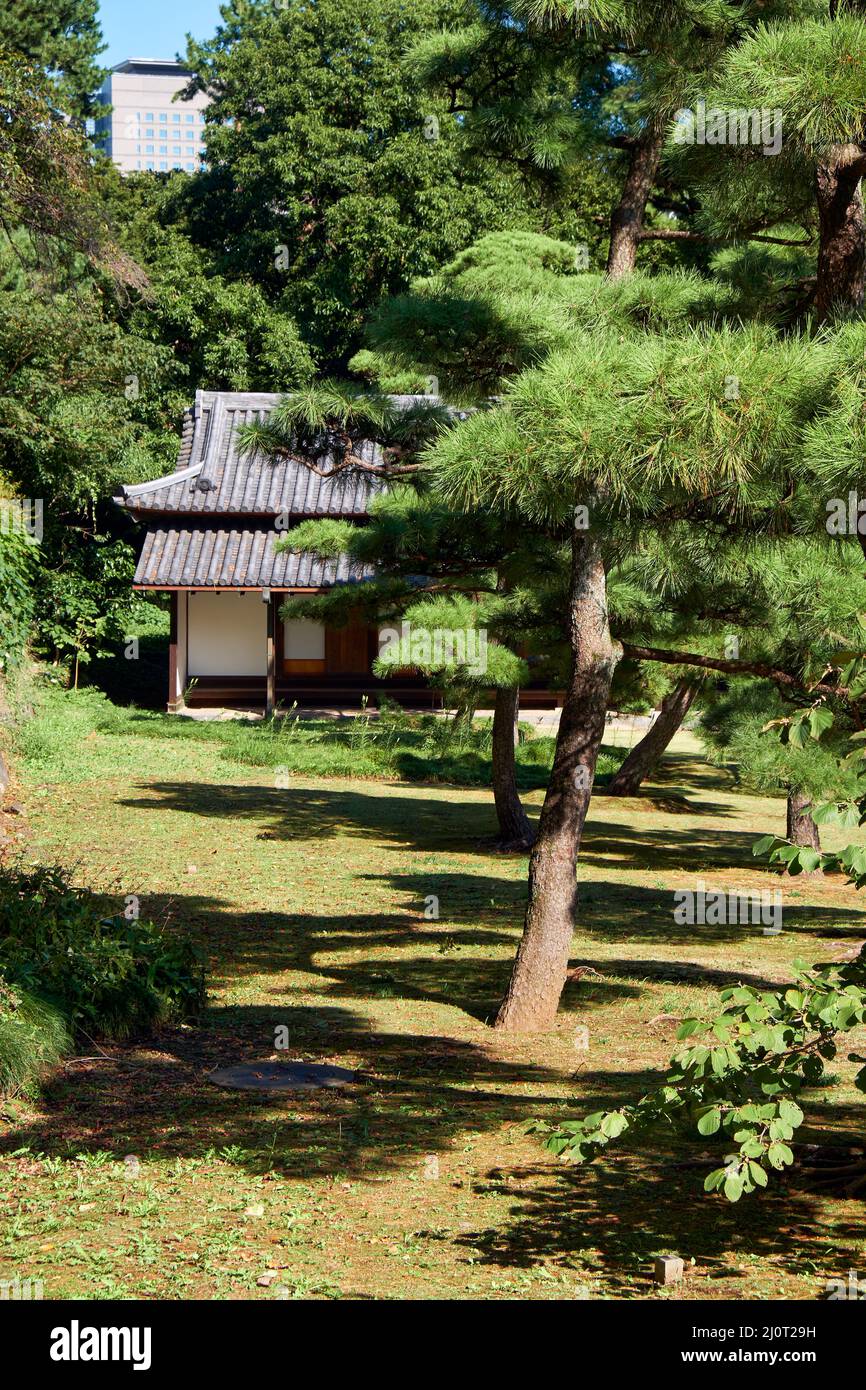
<point>417,1094</point>
<point>414,1094</point>
<point>698,849</point>
<point>436,821</point>
<point>463,959</point>
<point>456,963</point>
<point>611,1218</point>
<point>301,813</point>
<point>614,911</point>
<point>692,771</point>
<point>349,956</point>
<point>678,973</point>
<point>633,912</point>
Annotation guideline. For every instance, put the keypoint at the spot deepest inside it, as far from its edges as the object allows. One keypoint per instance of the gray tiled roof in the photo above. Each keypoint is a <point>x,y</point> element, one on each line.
<point>206,547</point>
<point>211,479</point>
<point>204,557</point>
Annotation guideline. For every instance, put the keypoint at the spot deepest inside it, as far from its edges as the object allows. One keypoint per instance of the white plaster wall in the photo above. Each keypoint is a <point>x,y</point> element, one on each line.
<point>303,640</point>
<point>227,635</point>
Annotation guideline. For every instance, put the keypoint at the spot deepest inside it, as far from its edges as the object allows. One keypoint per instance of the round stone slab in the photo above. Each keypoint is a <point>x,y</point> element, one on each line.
<point>281,1076</point>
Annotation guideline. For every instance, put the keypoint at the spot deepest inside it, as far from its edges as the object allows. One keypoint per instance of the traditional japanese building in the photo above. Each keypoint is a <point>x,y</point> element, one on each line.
<point>212,529</point>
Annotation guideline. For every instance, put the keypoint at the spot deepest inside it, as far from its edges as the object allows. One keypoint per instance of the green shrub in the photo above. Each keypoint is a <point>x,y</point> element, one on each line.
<point>108,977</point>
<point>33,1037</point>
<point>17,567</point>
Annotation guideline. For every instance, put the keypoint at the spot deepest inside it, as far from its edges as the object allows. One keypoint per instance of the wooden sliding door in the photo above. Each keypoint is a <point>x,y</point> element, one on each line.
<point>307,648</point>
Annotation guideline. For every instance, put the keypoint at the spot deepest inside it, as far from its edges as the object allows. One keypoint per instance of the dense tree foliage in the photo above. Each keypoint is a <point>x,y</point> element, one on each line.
<point>216,332</point>
<point>62,38</point>
<point>335,175</point>
<point>642,426</point>
<point>78,392</point>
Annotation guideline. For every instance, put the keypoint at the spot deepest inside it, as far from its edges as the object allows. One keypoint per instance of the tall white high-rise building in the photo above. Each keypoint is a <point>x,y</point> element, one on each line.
<point>146,128</point>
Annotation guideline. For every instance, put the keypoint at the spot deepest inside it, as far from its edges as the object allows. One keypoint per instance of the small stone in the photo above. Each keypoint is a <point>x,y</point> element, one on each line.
<point>257,1210</point>
<point>265,1280</point>
<point>431,1168</point>
<point>281,1076</point>
<point>192,868</point>
<point>668,1269</point>
<point>132,1165</point>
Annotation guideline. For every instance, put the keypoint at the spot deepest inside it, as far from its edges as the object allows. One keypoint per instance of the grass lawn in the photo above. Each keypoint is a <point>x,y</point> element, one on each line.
<point>308,901</point>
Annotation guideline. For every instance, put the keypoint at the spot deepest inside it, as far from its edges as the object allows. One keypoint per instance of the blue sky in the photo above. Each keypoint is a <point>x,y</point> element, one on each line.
<point>153,28</point>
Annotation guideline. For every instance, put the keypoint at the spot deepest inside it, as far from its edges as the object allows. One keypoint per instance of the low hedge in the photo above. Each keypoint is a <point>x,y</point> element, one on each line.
<point>62,959</point>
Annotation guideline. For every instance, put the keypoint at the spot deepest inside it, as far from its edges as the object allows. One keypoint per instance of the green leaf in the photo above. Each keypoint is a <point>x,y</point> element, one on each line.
<point>809,859</point>
<point>797,735</point>
<point>733,1187</point>
<point>790,1112</point>
<point>688,1027</point>
<point>613,1125</point>
<point>820,720</point>
<point>719,1061</point>
<point>714,1180</point>
<point>778,1155</point>
<point>710,1121</point>
<point>763,846</point>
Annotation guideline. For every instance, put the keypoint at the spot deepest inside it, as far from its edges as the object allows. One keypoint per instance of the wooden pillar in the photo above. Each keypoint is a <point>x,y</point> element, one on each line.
<point>172,656</point>
<point>177,651</point>
<point>271,694</point>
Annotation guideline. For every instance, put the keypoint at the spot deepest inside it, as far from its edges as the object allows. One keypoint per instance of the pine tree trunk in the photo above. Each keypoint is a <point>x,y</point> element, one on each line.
<point>842,248</point>
<point>643,758</point>
<point>542,958</point>
<point>515,830</point>
<point>627,218</point>
<point>801,829</point>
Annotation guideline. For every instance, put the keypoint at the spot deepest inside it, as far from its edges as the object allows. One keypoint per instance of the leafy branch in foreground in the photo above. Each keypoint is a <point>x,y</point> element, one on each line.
<point>740,1075</point>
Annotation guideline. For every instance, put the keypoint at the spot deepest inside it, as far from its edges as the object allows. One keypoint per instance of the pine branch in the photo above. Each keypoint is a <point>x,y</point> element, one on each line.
<point>674,234</point>
<point>734,668</point>
<point>349,460</point>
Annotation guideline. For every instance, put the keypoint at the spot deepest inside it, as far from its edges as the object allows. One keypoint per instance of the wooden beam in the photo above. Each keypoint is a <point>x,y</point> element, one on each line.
<point>218,589</point>
<point>173,703</point>
<point>271,692</point>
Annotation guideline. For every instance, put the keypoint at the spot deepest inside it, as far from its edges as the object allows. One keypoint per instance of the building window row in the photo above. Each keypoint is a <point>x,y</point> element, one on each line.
<point>190,117</point>
<point>176,150</point>
<point>164,165</point>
